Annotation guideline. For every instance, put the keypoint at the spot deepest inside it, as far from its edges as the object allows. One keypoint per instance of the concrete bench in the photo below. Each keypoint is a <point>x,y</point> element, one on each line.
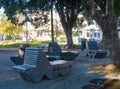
<point>94,51</point>
<point>61,67</point>
<point>55,49</point>
<point>36,66</point>
<point>97,53</point>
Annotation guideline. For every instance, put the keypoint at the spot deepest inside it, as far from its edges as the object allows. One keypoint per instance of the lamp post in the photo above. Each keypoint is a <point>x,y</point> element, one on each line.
<point>106,7</point>
<point>52,28</point>
<point>26,25</point>
<point>26,19</point>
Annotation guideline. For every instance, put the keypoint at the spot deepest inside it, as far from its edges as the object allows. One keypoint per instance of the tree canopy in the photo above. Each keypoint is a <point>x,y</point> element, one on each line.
<point>10,29</point>
<point>68,10</point>
<point>12,7</point>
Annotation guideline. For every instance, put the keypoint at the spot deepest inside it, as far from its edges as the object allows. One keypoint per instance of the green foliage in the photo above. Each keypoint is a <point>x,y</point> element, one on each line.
<point>62,39</point>
<point>101,5</point>
<point>79,23</point>
<point>101,8</point>
<point>10,29</point>
<point>57,33</point>
<point>77,33</point>
<point>13,7</point>
<point>40,19</point>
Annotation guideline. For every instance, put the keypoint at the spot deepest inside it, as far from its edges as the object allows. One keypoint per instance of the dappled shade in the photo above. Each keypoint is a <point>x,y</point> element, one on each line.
<point>103,84</point>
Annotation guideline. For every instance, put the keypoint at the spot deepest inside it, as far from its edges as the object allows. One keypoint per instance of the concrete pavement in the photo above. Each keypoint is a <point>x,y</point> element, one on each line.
<point>80,75</point>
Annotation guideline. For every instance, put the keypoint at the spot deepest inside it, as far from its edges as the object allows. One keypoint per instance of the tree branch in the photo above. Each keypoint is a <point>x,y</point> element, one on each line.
<point>60,9</point>
<point>95,13</point>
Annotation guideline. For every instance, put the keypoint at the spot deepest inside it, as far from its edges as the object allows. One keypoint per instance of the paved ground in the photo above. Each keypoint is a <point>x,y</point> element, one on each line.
<point>79,76</point>
<point>6,71</point>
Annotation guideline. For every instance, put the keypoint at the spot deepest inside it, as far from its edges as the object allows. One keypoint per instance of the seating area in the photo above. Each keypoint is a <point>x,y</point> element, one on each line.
<point>54,49</point>
<point>36,66</point>
<point>94,51</point>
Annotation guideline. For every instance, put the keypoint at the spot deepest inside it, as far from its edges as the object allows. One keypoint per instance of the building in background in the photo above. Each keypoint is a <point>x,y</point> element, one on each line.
<point>3,37</point>
<point>87,32</point>
<point>92,31</point>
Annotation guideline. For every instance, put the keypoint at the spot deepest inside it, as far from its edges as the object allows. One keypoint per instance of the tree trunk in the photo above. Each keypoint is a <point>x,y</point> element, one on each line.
<point>111,39</point>
<point>110,34</point>
<point>68,17</point>
<point>67,26</point>
<point>68,33</point>
<point>111,42</point>
<point>108,24</point>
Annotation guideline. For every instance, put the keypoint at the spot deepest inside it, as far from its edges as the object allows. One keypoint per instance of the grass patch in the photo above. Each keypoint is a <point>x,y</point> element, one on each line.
<point>10,44</point>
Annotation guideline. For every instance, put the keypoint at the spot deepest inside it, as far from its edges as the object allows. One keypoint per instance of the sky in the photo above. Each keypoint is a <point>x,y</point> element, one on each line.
<point>1,10</point>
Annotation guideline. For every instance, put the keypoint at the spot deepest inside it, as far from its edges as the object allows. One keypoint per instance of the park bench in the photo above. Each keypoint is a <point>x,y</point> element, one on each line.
<point>36,66</point>
<point>94,51</point>
<point>55,49</point>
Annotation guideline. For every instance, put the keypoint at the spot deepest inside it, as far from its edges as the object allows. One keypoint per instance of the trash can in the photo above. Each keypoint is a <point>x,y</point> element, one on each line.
<point>83,43</point>
<point>22,50</point>
<point>79,40</point>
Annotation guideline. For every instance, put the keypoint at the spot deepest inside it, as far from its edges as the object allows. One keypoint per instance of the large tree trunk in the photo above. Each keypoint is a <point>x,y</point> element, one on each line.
<point>68,17</point>
<point>110,33</point>
<point>108,24</point>
<point>68,33</point>
<point>67,25</point>
<point>111,38</point>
